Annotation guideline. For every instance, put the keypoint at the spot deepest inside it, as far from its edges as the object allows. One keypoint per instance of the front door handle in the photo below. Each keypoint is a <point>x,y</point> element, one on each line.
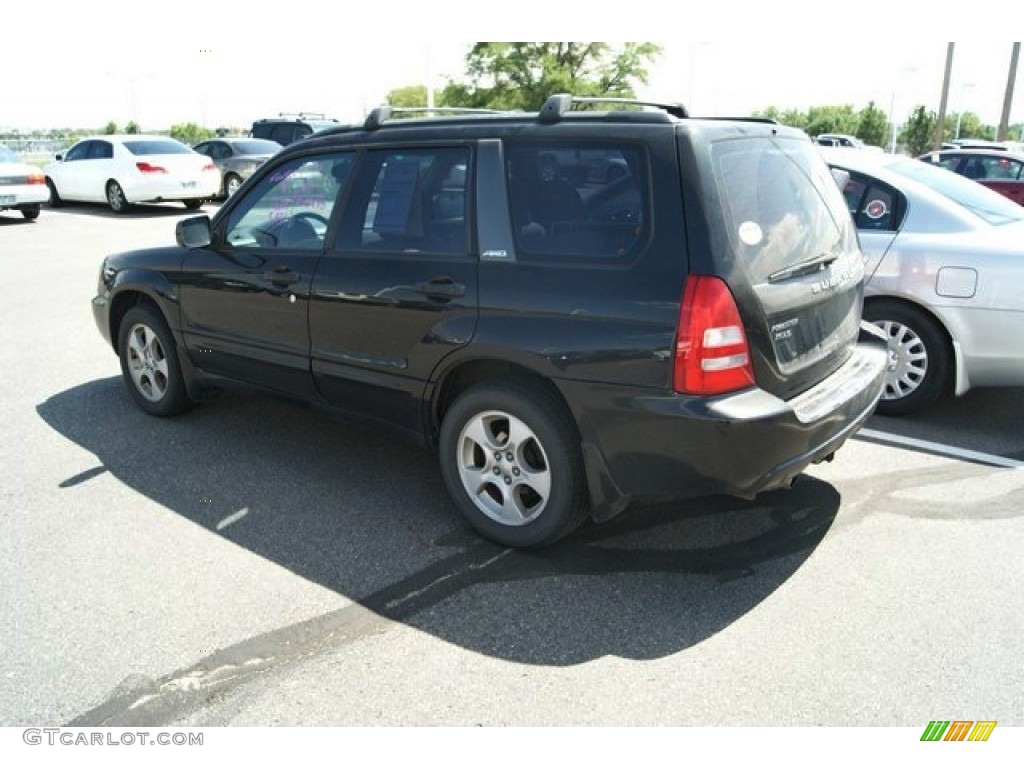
<point>282,275</point>
<point>441,288</point>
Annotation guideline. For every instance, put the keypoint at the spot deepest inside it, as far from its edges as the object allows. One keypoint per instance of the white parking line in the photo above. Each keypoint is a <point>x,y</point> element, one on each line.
<point>940,449</point>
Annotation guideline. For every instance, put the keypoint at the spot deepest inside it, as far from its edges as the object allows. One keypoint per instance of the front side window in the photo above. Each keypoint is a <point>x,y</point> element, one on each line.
<point>78,152</point>
<point>411,201</point>
<point>291,206</point>
<point>579,201</point>
<point>101,150</point>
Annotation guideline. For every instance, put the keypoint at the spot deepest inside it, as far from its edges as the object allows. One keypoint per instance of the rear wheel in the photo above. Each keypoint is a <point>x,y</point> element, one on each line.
<point>919,357</point>
<point>193,205</point>
<point>511,460</point>
<point>115,198</point>
<point>149,363</point>
<point>30,212</point>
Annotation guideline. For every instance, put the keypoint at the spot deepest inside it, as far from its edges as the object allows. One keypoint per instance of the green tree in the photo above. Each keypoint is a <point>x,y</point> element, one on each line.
<point>872,125</point>
<point>190,133</point>
<point>523,75</point>
<point>132,127</point>
<point>970,126</point>
<point>918,131</point>
<point>110,129</point>
<point>408,96</point>
<point>831,119</point>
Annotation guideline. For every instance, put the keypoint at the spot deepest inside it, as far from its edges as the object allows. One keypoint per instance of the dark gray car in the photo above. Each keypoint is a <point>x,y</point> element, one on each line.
<point>237,159</point>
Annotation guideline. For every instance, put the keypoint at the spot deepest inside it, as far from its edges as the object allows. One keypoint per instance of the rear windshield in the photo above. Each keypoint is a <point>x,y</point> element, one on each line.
<point>979,200</point>
<point>780,204</point>
<point>156,147</point>
<point>6,156</point>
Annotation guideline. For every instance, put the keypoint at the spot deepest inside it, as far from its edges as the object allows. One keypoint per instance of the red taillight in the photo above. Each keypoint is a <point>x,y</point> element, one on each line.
<point>35,177</point>
<point>150,168</point>
<point>210,166</point>
<point>712,355</point>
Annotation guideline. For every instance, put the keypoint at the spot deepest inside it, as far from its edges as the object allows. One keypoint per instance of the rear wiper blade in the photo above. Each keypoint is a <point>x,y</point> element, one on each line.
<point>803,268</point>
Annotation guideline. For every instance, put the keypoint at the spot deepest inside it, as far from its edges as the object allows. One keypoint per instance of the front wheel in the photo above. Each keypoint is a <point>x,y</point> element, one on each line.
<point>149,363</point>
<point>919,358</point>
<point>511,460</point>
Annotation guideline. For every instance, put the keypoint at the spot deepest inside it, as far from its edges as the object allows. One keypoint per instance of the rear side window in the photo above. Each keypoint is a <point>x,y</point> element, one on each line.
<point>780,204</point>
<point>585,201</point>
<point>410,201</point>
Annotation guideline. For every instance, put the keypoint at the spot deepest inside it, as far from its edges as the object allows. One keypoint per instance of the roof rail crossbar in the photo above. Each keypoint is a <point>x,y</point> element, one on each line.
<point>557,105</point>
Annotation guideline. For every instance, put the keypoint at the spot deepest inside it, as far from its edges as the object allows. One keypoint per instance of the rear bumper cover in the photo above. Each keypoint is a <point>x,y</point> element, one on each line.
<point>650,444</point>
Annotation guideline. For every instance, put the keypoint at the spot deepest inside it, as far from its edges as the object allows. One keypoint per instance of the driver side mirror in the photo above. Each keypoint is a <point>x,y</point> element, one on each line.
<point>193,232</point>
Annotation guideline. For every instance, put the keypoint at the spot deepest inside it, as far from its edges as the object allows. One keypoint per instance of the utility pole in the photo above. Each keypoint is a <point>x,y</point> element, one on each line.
<point>940,122</point>
<point>1004,121</point>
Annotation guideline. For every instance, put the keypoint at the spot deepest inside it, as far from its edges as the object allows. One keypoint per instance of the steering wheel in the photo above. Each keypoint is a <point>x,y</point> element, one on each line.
<point>312,216</point>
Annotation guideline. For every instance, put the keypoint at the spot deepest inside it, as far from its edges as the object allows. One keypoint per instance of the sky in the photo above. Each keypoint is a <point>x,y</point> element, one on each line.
<point>228,63</point>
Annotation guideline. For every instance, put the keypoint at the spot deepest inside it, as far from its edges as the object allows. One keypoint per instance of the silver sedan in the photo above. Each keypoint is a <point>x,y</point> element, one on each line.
<point>945,265</point>
<point>237,159</point>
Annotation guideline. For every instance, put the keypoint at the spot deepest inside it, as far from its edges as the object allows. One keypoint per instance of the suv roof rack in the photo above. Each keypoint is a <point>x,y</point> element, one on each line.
<point>557,105</point>
<point>304,115</point>
<point>378,115</point>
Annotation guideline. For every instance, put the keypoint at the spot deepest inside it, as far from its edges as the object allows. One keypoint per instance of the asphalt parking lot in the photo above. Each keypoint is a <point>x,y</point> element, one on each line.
<point>253,563</point>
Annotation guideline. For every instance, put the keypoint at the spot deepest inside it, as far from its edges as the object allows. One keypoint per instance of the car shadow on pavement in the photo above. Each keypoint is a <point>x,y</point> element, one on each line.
<point>366,515</point>
<point>136,211</point>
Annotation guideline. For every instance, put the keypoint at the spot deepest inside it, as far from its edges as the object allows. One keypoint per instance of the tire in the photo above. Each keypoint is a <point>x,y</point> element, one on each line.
<point>193,205</point>
<point>149,363</point>
<point>918,353</point>
<point>31,212</point>
<point>55,201</point>
<point>511,460</point>
<point>116,199</point>
<point>231,184</point>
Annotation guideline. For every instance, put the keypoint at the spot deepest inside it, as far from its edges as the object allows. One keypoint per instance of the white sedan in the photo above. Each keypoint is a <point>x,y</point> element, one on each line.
<point>945,263</point>
<point>22,187</point>
<point>121,170</point>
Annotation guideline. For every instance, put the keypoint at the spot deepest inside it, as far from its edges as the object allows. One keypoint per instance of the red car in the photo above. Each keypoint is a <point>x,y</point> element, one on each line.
<point>1000,170</point>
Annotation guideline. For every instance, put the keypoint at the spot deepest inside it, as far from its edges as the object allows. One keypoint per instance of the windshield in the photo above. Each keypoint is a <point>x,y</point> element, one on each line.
<point>979,200</point>
<point>6,156</point>
<point>156,147</point>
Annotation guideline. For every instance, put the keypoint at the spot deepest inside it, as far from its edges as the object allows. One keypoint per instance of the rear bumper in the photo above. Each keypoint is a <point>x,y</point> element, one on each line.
<point>649,444</point>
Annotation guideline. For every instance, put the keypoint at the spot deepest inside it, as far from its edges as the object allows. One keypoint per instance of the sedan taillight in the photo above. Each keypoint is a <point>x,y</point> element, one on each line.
<point>150,168</point>
<point>210,166</point>
<point>36,177</point>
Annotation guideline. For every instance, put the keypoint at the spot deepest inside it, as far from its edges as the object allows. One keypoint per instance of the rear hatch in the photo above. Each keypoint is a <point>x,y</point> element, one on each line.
<point>782,239</point>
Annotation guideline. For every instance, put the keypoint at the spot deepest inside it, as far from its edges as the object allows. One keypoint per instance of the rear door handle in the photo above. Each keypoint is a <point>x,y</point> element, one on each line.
<point>442,288</point>
<point>282,275</point>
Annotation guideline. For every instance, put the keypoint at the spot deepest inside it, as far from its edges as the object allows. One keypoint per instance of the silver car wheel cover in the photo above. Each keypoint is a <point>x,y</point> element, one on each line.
<point>908,360</point>
<point>504,468</point>
<point>147,362</point>
<point>115,197</point>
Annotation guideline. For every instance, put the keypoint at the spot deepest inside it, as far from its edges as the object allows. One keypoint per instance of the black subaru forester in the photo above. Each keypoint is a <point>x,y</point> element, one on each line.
<point>576,308</point>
